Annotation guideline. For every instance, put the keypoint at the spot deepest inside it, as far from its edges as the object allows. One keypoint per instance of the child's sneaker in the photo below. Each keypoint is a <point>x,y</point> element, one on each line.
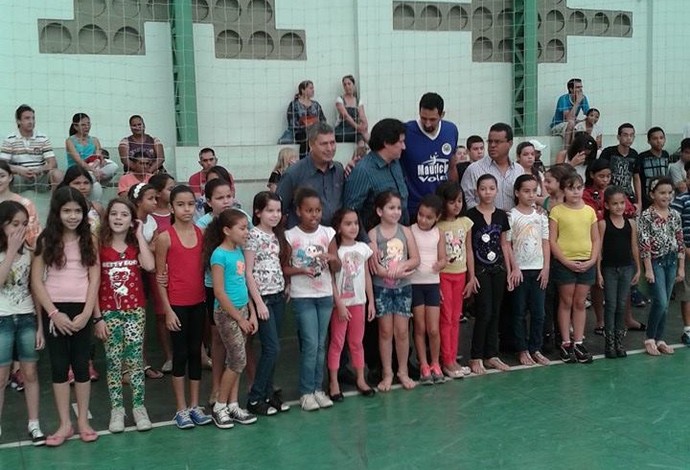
<point>241,416</point>
<point>262,408</point>
<point>437,375</point>
<point>685,338</point>
<point>17,381</point>
<point>568,353</point>
<point>37,437</point>
<point>183,420</point>
<point>582,355</point>
<point>277,402</point>
<point>199,418</point>
<point>141,418</point>
<point>308,402</point>
<point>425,377</point>
<point>322,399</point>
<point>117,420</point>
<point>221,417</point>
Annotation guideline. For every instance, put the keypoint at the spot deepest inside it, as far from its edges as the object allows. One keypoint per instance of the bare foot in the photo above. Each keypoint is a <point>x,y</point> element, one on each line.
<point>650,348</point>
<point>386,382</point>
<point>664,348</point>
<point>406,381</point>
<point>526,359</point>
<point>477,367</point>
<point>540,358</point>
<point>496,363</point>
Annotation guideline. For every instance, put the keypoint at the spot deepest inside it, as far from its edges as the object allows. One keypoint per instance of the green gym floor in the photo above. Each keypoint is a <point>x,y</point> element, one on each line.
<point>623,413</point>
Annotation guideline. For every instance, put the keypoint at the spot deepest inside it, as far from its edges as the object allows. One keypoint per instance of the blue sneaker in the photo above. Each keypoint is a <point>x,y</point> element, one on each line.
<point>685,338</point>
<point>183,420</point>
<point>199,417</point>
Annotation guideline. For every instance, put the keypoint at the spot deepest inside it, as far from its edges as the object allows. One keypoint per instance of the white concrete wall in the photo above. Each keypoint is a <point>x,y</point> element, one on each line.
<point>242,103</point>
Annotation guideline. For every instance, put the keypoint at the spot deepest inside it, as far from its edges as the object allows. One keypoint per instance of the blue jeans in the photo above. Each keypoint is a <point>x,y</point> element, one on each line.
<point>269,332</point>
<point>18,331</point>
<point>664,269</point>
<point>312,316</point>
<point>616,291</point>
<point>529,296</point>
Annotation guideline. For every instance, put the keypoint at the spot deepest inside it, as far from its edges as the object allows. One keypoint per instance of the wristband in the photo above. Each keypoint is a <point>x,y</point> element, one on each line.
<point>50,315</point>
<point>96,319</point>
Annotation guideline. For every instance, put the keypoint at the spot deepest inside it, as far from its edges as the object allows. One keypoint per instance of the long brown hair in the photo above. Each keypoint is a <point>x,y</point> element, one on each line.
<point>105,234</point>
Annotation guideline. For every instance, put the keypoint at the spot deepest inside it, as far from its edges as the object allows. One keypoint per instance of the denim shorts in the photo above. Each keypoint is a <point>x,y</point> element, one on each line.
<point>563,276</point>
<point>428,295</point>
<point>395,301</point>
<point>19,330</point>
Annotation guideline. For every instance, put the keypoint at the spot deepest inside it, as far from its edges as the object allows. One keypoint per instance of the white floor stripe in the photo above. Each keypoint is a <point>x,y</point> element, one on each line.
<point>295,403</point>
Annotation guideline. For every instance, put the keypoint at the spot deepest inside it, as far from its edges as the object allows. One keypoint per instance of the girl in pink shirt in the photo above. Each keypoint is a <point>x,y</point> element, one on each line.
<point>64,279</point>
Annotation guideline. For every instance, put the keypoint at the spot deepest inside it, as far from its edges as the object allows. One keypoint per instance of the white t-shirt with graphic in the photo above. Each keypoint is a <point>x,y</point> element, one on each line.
<point>305,250</point>
<point>351,279</point>
<point>15,296</point>
<point>526,233</point>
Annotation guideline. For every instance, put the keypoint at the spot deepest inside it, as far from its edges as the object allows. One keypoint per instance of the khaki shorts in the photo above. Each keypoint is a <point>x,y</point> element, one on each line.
<point>559,129</point>
<point>683,288</point>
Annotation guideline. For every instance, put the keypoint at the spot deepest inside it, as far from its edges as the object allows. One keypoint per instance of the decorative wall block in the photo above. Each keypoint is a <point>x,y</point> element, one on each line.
<point>491,24</point>
<point>243,29</point>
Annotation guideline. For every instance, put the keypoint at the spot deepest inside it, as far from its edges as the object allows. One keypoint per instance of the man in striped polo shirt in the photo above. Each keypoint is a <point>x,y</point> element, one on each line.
<point>30,155</point>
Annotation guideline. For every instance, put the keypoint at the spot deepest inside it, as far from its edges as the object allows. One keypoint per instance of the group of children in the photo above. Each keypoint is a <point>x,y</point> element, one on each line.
<point>92,268</point>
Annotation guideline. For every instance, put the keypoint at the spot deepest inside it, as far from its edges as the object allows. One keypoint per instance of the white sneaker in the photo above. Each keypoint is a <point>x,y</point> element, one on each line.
<point>141,418</point>
<point>308,402</point>
<point>117,420</point>
<point>323,400</point>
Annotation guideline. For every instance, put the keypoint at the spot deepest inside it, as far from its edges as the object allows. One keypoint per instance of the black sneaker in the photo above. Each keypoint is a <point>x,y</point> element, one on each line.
<point>568,353</point>
<point>221,418</point>
<point>582,355</point>
<point>241,416</point>
<point>261,408</point>
<point>276,402</point>
<point>37,437</point>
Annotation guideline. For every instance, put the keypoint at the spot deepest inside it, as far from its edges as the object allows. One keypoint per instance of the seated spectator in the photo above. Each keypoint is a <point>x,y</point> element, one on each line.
<point>207,160</point>
<point>150,147</point>
<point>651,164</point>
<point>676,170</point>
<point>30,155</point>
<point>286,158</point>
<point>581,152</point>
<point>591,125</point>
<point>85,151</point>
<point>139,172</point>
<point>33,227</point>
<point>302,112</point>
<point>351,123</point>
<point>525,155</point>
<point>538,162</point>
<point>568,108</point>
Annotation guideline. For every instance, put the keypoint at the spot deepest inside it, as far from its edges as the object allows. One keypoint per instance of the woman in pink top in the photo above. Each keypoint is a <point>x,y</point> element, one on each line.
<point>65,279</point>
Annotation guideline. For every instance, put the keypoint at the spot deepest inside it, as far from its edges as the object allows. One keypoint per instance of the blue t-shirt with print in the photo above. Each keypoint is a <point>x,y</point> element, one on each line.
<point>232,262</point>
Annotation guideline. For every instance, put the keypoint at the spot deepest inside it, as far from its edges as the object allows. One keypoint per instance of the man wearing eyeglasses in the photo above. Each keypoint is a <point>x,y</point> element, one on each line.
<point>498,164</point>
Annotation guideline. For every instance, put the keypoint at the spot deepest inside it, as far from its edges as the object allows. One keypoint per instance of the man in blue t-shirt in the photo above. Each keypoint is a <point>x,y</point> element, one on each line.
<point>429,151</point>
<point>568,107</point>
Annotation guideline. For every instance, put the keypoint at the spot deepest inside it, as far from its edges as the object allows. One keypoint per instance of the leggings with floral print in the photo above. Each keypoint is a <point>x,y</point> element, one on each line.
<point>124,350</point>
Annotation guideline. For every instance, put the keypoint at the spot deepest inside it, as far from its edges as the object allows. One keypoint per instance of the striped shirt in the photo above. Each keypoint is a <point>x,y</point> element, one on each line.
<point>682,204</point>
<point>29,152</point>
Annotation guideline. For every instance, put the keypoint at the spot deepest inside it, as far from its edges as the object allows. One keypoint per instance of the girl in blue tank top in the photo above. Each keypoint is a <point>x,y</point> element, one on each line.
<point>396,257</point>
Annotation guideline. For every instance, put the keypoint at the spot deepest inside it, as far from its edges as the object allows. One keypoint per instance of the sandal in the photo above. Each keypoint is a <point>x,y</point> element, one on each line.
<point>640,327</point>
<point>650,348</point>
<point>152,373</point>
<point>664,348</point>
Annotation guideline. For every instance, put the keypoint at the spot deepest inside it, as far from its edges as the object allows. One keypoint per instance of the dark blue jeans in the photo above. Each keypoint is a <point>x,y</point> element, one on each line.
<point>269,332</point>
<point>664,269</point>
<point>616,291</point>
<point>529,296</point>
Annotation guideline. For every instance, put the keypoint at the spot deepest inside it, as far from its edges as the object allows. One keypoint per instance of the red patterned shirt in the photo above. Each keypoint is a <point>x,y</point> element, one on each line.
<point>121,287</point>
